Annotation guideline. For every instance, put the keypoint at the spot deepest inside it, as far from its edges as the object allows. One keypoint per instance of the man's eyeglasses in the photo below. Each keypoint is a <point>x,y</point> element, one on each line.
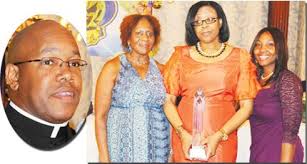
<point>201,22</point>
<point>51,62</point>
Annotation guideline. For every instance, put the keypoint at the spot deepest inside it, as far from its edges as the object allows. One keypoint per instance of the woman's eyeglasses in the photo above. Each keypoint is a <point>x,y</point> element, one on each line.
<point>201,22</point>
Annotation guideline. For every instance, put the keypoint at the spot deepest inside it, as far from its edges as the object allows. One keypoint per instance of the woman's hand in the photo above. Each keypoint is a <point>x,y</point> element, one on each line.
<point>186,142</point>
<point>211,143</point>
<point>103,159</point>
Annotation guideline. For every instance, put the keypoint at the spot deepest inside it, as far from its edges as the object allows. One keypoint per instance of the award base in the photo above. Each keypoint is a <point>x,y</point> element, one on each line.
<point>198,153</point>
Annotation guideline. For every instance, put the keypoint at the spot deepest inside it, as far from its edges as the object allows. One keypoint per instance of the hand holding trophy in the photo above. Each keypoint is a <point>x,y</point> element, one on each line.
<point>197,151</point>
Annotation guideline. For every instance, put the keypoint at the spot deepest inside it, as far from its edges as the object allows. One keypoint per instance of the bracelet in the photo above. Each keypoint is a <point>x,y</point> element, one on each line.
<point>225,136</point>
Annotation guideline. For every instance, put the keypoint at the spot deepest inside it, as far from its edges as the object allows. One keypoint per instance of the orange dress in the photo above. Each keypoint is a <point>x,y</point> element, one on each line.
<point>222,82</point>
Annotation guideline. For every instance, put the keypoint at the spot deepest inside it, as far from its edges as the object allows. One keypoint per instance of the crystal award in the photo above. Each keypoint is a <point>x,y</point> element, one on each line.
<point>197,151</point>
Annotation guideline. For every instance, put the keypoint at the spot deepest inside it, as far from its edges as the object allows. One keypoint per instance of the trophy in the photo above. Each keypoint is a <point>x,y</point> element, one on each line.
<point>197,152</point>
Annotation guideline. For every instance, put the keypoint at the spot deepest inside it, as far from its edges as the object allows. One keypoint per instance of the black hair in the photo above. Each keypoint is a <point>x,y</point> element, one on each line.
<point>190,36</point>
<point>281,51</point>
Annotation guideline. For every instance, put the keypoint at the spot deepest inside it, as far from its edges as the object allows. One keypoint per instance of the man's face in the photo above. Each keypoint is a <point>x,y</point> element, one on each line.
<point>51,93</point>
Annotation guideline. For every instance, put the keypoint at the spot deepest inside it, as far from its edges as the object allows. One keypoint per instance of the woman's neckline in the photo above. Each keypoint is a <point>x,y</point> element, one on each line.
<point>198,58</point>
<point>267,87</point>
<point>135,70</point>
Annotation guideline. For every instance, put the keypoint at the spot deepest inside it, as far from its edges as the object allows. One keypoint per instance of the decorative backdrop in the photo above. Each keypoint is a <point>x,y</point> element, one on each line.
<point>296,38</point>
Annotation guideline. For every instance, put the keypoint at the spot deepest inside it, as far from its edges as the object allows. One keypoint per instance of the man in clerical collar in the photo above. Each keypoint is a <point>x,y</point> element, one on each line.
<point>43,77</point>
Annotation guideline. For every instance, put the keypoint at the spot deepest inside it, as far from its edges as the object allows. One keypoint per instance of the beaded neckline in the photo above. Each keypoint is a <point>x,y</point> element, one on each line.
<point>218,53</point>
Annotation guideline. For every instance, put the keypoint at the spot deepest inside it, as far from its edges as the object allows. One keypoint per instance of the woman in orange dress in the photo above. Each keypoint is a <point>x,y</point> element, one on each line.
<point>224,75</point>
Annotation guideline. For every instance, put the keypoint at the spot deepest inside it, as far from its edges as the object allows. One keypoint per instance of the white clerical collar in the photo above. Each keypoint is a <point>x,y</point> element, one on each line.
<point>56,127</point>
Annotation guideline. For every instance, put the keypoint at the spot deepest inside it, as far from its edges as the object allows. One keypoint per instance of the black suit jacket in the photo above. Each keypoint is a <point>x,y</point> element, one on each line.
<point>37,134</point>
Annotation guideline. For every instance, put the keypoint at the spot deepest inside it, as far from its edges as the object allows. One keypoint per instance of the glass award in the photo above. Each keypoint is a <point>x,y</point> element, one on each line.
<point>197,151</point>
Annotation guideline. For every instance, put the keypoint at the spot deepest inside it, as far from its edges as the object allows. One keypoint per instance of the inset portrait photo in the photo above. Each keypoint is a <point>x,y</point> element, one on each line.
<point>46,81</point>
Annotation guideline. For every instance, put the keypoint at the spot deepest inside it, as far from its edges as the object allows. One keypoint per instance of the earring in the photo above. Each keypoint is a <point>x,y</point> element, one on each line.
<point>151,53</point>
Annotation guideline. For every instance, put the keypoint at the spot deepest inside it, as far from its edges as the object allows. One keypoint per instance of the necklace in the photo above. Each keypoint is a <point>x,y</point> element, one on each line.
<point>137,61</point>
<point>216,54</point>
<point>265,77</point>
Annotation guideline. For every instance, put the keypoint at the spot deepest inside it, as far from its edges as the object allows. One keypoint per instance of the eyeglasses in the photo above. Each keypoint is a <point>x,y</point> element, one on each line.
<point>52,62</point>
<point>201,22</point>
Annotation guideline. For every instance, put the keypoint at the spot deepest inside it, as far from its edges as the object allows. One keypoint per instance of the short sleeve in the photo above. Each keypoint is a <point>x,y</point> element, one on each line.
<point>290,93</point>
<point>171,73</point>
<point>247,86</point>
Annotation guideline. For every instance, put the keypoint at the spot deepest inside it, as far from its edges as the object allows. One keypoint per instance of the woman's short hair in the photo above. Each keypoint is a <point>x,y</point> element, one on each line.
<point>190,36</point>
<point>281,51</point>
<point>129,23</point>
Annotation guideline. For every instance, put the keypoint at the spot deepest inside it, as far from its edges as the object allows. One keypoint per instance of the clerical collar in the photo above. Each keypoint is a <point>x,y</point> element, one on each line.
<point>56,127</point>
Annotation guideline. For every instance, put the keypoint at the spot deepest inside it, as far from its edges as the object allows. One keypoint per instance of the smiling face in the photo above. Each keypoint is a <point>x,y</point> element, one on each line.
<point>49,93</point>
<point>265,51</point>
<point>207,32</point>
<point>142,37</point>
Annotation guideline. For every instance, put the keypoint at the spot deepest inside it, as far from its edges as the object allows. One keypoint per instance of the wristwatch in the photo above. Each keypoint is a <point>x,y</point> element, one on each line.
<point>225,136</point>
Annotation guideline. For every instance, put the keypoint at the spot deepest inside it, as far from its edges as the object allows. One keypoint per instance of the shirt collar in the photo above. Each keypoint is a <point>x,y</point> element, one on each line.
<point>56,127</point>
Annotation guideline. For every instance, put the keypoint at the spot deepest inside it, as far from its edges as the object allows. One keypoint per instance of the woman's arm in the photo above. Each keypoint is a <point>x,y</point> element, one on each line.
<point>246,108</point>
<point>173,117</point>
<point>290,93</point>
<point>287,152</point>
<point>247,88</point>
<point>103,94</point>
